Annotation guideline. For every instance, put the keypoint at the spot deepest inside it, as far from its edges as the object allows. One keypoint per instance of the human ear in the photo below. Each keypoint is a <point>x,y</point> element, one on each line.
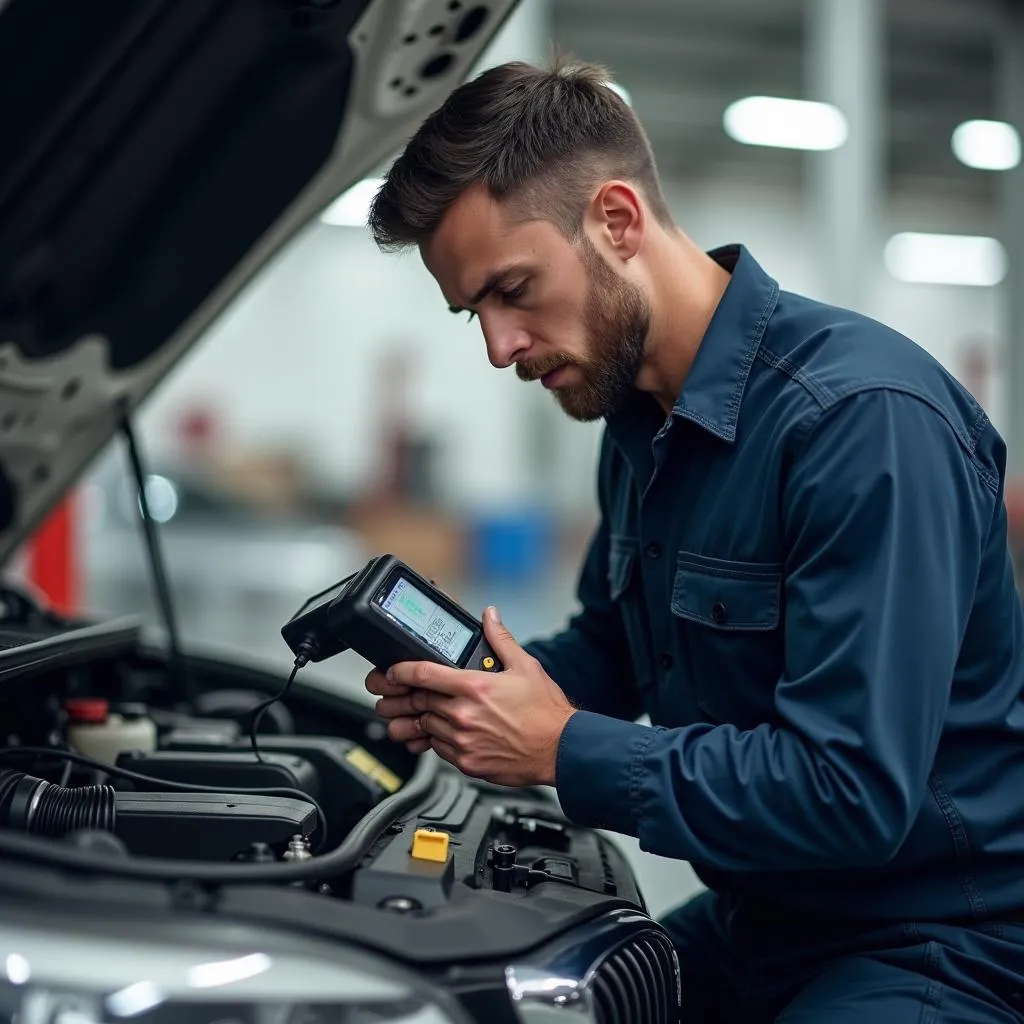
<point>620,216</point>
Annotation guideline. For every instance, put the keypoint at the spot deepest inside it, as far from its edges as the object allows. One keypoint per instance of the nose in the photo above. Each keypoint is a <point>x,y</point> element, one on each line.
<point>505,340</point>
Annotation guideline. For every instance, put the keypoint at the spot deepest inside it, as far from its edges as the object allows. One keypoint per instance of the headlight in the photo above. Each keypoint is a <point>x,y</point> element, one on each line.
<point>114,973</point>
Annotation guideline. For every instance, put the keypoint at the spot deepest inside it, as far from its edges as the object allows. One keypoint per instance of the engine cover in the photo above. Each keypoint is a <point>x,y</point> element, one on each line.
<point>208,826</point>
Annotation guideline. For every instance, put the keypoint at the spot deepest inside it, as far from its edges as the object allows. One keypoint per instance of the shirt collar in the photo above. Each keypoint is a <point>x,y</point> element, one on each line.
<point>713,389</point>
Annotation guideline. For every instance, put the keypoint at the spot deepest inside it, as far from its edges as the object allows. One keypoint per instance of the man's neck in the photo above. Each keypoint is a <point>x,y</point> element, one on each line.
<point>687,286</point>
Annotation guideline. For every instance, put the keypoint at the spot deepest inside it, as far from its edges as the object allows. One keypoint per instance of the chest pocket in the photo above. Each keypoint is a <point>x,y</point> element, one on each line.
<point>729,617</point>
<point>626,590</point>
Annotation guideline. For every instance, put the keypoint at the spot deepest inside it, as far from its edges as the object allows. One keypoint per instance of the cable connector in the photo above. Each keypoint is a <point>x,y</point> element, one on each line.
<point>307,650</point>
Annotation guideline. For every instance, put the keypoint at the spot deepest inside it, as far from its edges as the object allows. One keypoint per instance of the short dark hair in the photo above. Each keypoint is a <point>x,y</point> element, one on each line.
<point>543,138</point>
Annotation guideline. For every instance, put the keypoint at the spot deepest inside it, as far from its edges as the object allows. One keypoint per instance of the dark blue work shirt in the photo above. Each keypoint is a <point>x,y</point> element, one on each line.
<point>802,576</point>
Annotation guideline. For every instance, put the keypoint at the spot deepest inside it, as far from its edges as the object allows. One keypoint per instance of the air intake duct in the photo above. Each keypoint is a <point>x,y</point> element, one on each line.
<point>32,805</point>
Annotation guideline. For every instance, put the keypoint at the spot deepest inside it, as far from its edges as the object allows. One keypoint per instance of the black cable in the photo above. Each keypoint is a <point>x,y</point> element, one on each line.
<point>179,671</point>
<point>307,649</point>
<point>261,710</point>
<point>180,787</point>
<point>343,859</point>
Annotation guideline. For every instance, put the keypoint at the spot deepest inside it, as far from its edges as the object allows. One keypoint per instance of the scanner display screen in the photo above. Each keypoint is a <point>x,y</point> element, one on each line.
<point>426,619</point>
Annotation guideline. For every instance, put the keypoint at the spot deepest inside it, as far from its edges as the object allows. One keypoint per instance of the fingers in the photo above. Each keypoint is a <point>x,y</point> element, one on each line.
<point>426,675</point>
<point>418,746</point>
<point>397,707</point>
<point>378,684</point>
<point>410,728</point>
<point>445,750</point>
<point>414,703</point>
<point>438,727</point>
<point>406,730</point>
<point>502,642</point>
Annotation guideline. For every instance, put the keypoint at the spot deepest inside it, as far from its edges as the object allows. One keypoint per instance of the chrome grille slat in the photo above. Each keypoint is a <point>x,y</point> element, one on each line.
<point>623,1003</point>
<point>637,958</point>
<point>636,983</point>
<point>604,1002</point>
<point>661,982</point>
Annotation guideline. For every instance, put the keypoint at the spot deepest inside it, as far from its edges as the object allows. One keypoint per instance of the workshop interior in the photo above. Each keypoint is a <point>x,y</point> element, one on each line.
<point>234,434</point>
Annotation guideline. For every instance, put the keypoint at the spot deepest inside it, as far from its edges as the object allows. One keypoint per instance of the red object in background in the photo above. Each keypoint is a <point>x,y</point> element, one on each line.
<point>87,710</point>
<point>199,432</point>
<point>53,559</point>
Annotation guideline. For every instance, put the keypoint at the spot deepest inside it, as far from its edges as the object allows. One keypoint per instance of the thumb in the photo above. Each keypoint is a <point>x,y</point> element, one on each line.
<point>502,642</point>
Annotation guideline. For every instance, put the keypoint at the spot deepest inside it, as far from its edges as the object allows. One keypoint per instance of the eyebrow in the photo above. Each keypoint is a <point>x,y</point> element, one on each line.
<point>494,279</point>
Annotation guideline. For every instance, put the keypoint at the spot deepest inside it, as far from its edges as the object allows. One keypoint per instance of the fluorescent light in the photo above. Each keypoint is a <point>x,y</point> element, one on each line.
<point>352,208</point>
<point>785,123</point>
<point>18,970</point>
<point>987,145</point>
<point>946,259</point>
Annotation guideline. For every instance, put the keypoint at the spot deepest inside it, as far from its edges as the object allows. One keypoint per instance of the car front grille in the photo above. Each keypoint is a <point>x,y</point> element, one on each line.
<point>637,983</point>
<point>619,968</point>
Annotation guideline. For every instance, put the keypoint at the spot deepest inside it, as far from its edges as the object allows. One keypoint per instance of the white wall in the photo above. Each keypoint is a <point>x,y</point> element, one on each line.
<point>775,224</point>
<point>295,360</point>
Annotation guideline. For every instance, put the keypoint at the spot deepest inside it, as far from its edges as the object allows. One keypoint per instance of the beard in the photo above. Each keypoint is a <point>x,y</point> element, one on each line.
<point>616,320</point>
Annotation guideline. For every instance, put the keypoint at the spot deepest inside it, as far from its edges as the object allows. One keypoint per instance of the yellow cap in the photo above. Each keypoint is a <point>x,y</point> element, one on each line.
<point>488,662</point>
<point>430,845</point>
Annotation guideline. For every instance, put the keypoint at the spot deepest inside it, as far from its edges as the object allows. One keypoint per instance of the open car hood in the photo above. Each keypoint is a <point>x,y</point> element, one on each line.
<point>154,154</point>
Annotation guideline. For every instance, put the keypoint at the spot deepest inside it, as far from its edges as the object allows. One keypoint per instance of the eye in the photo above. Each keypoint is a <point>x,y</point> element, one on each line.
<point>514,294</point>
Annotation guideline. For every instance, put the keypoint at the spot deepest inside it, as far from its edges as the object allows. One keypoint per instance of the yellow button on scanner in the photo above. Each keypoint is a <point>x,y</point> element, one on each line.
<point>488,663</point>
<point>430,845</point>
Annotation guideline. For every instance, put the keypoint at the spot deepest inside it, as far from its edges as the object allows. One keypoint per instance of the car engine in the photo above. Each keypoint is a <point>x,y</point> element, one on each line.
<point>326,829</point>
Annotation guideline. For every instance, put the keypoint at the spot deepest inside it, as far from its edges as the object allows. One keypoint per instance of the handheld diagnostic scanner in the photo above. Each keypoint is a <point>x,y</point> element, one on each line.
<point>388,613</point>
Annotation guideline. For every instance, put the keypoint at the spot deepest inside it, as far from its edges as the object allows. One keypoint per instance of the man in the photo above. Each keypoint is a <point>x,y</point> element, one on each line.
<point>800,573</point>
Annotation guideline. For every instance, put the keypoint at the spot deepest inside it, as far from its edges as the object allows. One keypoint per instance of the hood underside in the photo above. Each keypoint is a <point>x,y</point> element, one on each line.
<point>155,155</point>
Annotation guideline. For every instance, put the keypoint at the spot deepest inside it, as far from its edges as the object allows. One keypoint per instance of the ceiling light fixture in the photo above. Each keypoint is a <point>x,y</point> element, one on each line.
<point>785,123</point>
<point>966,260</point>
<point>987,145</point>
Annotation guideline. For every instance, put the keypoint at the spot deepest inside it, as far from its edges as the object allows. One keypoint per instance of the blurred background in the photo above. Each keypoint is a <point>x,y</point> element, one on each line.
<point>868,152</point>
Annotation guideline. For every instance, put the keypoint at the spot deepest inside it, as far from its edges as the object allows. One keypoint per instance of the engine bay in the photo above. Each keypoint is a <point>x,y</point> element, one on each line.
<point>102,760</point>
<point>133,796</point>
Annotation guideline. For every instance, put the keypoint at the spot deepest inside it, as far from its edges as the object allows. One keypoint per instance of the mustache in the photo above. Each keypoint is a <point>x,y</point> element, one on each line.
<point>539,367</point>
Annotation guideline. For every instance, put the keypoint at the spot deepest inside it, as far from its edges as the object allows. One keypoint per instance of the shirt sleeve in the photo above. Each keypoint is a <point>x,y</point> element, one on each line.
<point>590,659</point>
<point>886,516</point>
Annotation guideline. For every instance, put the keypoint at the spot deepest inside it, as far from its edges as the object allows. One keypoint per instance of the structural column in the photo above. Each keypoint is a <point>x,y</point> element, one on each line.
<point>845,44</point>
<point>1010,49</point>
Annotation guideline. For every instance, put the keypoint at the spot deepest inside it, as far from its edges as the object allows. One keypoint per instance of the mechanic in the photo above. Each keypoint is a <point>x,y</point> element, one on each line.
<point>800,574</point>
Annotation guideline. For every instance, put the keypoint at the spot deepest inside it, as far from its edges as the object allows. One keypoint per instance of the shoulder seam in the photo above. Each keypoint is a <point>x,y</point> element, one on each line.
<point>821,394</point>
<point>967,441</point>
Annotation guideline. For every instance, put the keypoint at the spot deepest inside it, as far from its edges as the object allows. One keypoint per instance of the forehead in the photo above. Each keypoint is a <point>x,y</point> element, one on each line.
<point>479,236</point>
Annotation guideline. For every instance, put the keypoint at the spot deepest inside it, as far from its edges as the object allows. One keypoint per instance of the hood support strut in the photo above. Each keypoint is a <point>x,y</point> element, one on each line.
<point>158,565</point>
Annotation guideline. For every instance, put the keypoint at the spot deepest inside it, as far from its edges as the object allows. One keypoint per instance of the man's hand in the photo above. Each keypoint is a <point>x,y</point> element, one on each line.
<point>500,726</point>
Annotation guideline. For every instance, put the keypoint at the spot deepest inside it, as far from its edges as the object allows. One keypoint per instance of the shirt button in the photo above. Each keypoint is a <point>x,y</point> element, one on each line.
<point>719,612</point>
<point>666,660</point>
<point>654,551</point>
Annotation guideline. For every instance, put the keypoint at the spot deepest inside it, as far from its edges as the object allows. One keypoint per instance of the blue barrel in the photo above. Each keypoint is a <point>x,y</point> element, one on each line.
<point>513,546</point>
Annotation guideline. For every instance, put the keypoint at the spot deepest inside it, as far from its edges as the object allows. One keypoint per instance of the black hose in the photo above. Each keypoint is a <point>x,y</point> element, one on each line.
<point>329,865</point>
<point>33,805</point>
<point>53,753</point>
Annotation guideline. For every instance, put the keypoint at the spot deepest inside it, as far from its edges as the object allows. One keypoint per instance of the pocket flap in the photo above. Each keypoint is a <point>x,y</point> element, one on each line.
<point>621,556</point>
<point>728,596</point>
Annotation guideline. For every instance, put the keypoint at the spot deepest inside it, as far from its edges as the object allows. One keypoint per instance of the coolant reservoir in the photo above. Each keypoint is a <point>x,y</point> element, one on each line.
<point>98,733</point>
